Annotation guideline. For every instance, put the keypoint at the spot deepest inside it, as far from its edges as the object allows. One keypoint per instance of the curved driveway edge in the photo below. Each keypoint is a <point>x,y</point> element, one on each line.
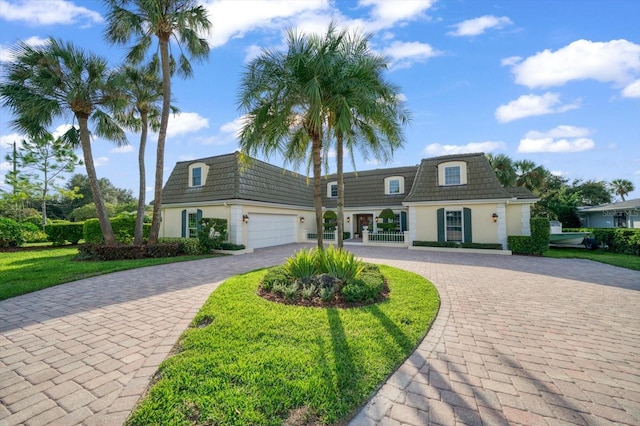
<point>518,340</point>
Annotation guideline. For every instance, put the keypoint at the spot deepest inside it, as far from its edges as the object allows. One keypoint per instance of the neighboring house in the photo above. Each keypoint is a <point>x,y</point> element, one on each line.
<point>451,198</point>
<point>622,214</point>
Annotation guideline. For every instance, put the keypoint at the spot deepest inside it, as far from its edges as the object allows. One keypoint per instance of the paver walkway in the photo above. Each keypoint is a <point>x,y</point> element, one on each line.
<point>518,340</point>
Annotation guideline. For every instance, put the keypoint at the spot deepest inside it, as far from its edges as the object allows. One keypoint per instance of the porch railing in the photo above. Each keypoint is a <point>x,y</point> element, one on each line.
<point>385,238</point>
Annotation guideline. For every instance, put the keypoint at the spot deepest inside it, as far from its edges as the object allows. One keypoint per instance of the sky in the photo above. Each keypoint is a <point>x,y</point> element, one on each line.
<point>552,81</point>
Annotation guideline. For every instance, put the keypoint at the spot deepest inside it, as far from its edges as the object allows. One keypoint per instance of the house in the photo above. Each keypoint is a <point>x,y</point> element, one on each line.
<point>622,214</point>
<point>450,198</point>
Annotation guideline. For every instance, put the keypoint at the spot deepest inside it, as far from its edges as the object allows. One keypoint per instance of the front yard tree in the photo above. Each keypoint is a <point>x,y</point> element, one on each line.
<point>622,187</point>
<point>47,158</point>
<point>142,21</point>
<point>47,82</point>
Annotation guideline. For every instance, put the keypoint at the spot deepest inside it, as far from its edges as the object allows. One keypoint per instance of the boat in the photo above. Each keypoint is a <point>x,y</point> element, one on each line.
<point>557,237</point>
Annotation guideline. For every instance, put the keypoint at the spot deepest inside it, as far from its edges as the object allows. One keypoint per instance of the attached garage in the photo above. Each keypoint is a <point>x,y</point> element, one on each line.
<point>266,230</point>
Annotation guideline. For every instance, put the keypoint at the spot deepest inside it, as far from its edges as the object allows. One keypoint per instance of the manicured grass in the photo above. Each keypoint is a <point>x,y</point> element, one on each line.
<point>30,270</point>
<point>623,260</point>
<point>248,361</point>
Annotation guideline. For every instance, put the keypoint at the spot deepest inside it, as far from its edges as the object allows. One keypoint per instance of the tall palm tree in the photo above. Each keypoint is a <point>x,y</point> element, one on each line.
<point>504,169</point>
<point>142,21</point>
<point>285,96</point>
<point>144,91</point>
<point>530,175</point>
<point>622,187</point>
<point>47,82</point>
<point>365,111</point>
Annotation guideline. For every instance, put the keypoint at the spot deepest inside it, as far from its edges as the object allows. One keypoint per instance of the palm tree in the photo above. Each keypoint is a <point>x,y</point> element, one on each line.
<point>622,187</point>
<point>365,111</point>
<point>144,91</point>
<point>285,96</point>
<point>504,169</point>
<point>47,82</point>
<point>529,175</point>
<point>142,20</point>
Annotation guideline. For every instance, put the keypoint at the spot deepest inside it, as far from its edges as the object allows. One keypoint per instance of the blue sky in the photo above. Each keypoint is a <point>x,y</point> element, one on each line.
<point>553,81</point>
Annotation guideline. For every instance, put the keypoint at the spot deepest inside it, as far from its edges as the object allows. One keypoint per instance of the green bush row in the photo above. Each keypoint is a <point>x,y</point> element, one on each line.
<point>61,233</point>
<point>535,244</point>
<point>10,233</point>
<point>102,252</point>
<point>619,240</point>
<point>451,244</point>
<point>123,228</point>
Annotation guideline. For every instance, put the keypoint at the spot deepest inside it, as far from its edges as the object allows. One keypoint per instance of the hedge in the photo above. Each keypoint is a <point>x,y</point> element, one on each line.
<point>10,233</point>
<point>101,252</point>
<point>123,228</point>
<point>453,244</point>
<point>190,246</point>
<point>537,243</point>
<point>60,233</point>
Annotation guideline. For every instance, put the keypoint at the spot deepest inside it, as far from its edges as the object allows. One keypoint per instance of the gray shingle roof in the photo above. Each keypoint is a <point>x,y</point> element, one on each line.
<point>620,205</point>
<point>229,179</point>
<point>521,193</point>
<point>367,188</point>
<point>482,182</point>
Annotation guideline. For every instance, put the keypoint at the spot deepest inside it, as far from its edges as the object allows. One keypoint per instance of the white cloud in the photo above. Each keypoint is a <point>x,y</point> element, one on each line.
<point>404,54</point>
<point>532,105</point>
<point>477,26</point>
<point>558,139</point>
<point>558,173</point>
<point>227,133</point>
<point>186,122</point>
<point>6,166</point>
<point>385,13</point>
<point>122,149</point>
<point>61,130</point>
<point>100,161</point>
<point>615,61</point>
<point>436,149</point>
<point>511,60</point>
<point>6,141</point>
<point>632,90</point>
<point>252,52</point>
<point>7,53</point>
<point>47,12</point>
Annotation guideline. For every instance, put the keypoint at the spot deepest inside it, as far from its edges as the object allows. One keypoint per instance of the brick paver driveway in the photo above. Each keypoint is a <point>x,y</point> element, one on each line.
<point>518,340</point>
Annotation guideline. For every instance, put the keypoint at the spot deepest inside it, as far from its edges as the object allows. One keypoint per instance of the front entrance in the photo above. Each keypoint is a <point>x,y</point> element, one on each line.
<point>363,221</point>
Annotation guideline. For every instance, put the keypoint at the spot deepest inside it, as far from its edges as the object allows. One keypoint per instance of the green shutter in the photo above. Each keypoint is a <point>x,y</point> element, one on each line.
<point>440,224</point>
<point>466,223</point>
<point>403,221</point>
<point>184,223</point>
<point>198,219</point>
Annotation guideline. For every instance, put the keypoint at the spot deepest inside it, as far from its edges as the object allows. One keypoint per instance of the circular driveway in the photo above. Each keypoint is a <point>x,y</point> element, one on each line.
<point>518,340</point>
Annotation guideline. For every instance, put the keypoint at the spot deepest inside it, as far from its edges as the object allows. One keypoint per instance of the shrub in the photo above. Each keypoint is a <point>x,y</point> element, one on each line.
<point>274,276</point>
<point>327,294</point>
<point>339,263</point>
<point>36,219</point>
<point>435,244</point>
<point>330,218</point>
<point>346,235</point>
<point>484,246</point>
<point>101,252</point>
<point>61,232</point>
<point>10,233</point>
<point>188,246</point>
<point>302,265</point>
<point>32,233</point>
<point>308,292</point>
<point>366,287</point>
<point>123,228</point>
<point>213,233</point>
<point>231,246</point>
<point>536,244</point>
<point>387,216</point>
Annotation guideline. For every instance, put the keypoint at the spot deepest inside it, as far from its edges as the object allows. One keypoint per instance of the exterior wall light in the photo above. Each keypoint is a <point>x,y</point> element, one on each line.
<point>348,219</point>
<point>494,217</point>
<point>245,218</point>
<point>301,219</point>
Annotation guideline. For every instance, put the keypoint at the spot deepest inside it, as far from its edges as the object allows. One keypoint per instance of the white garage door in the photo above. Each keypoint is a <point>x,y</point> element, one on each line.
<point>266,230</point>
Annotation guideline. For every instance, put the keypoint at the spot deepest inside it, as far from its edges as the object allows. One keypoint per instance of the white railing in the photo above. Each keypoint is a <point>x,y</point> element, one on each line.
<point>385,238</point>
<point>326,236</point>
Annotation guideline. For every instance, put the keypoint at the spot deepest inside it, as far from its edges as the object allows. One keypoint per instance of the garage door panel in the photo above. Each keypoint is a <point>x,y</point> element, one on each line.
<point>266,230</point>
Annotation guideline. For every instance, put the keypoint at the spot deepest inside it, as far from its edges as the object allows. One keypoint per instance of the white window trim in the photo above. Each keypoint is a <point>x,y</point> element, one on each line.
<point>463,172</point>
<point>387,184</point>
<point>329,185</point>
<point>203,176</point>
<point>461,211</point>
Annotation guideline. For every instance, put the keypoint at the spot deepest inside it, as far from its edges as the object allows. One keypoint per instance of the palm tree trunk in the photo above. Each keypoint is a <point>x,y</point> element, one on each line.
<point>138,234</point>
<point>103,217</point>
<point>340,208</point>
<point>162,136</point>
<point>317,188</point>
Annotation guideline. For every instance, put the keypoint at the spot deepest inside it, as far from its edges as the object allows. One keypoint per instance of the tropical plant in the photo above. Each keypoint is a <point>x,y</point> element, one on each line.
<point>622,187</point>
<point>529,175</point>
<point>144,91</point>
<point>142,21</point>
<point>49,81</point>
<point>302,265</point>
<point>504,169</point>
<point>285,96</point>
<point>365,111</point>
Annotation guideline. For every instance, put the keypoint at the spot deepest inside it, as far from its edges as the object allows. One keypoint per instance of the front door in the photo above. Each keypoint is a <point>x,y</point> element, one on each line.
<point>363,221</point>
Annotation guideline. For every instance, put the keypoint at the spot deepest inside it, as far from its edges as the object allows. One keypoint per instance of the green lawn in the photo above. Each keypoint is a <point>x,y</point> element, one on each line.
<point>26,271</point>
<point>248,361</point>
<point>623,260</point>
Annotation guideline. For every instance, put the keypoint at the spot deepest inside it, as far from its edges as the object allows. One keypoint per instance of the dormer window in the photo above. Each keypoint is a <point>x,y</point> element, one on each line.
<point>197,174</point>
<point>332,190</point>
<point>394,185</point>
<point>452,173</point>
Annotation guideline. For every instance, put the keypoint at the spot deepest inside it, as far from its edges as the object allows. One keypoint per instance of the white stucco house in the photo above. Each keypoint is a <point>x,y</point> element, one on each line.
<point>450,198</point>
